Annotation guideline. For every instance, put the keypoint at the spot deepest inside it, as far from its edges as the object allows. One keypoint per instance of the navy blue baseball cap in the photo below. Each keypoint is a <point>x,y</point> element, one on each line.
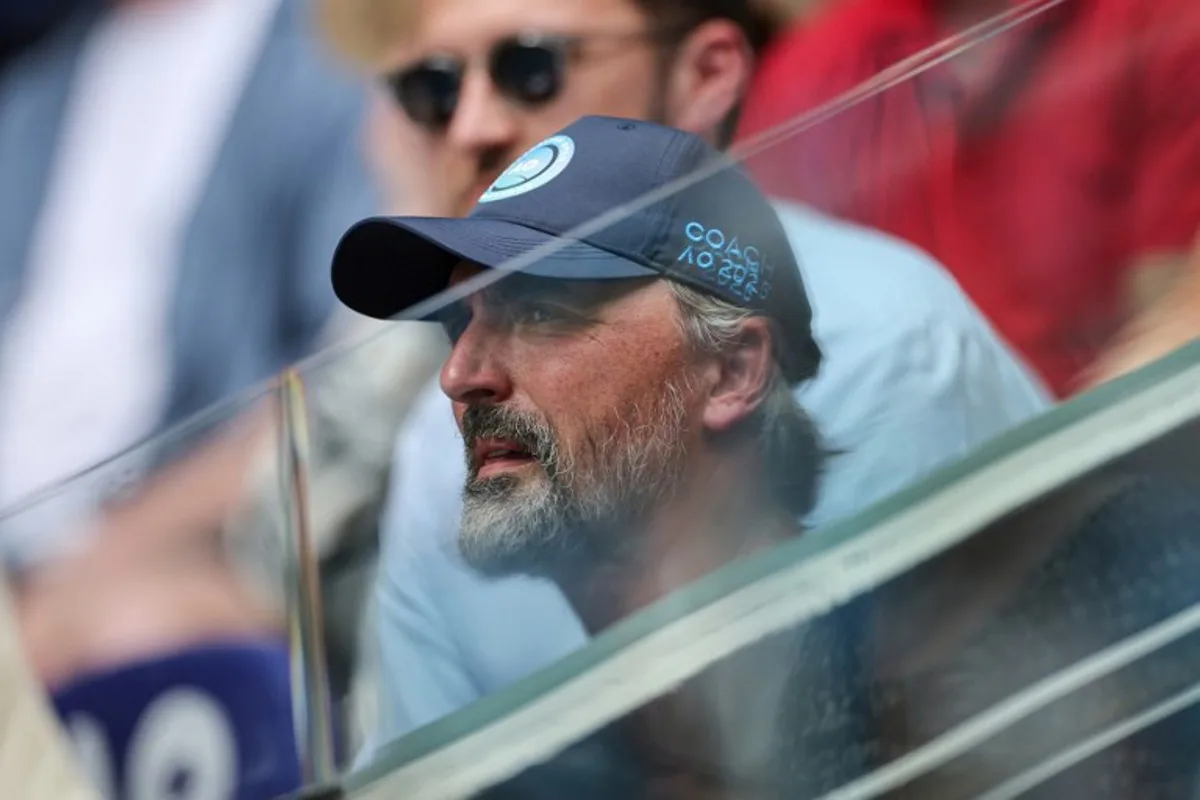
<point>717,234</point>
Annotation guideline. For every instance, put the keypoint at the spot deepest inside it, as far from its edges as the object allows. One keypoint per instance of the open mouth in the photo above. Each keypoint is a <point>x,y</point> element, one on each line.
<point>494,456</point>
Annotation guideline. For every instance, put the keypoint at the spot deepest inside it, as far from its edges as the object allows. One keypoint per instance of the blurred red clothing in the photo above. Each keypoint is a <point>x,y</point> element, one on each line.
<point>1072,150</point>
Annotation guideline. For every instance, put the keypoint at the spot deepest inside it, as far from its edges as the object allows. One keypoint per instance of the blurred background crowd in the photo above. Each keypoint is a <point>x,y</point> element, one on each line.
<point>175,175</point>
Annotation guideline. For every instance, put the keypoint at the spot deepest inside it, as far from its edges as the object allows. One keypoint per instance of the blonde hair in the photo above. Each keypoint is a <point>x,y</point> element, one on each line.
<point>362,31</point>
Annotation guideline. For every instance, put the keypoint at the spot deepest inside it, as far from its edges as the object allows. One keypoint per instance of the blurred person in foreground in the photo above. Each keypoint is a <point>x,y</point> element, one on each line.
<point>1053,167</point>
<point>913,377</point>
<point>629,425</point>
<point>36,761</point>
<point>176,174</point>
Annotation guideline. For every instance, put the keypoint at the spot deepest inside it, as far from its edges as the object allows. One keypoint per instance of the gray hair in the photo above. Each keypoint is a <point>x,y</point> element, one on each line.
<point>788,440</point>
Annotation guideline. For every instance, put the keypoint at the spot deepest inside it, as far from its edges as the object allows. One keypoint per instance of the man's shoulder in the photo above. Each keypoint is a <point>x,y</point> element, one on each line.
<point>875,281</point>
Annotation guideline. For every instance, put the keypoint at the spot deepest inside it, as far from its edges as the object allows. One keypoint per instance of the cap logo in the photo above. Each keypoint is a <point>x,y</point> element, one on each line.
<point>725,263</point>
<point>535,169</point>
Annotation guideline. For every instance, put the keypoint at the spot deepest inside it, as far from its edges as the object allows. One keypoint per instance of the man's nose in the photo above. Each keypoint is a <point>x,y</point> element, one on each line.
<point>483,119</point>
<point>474,372</point>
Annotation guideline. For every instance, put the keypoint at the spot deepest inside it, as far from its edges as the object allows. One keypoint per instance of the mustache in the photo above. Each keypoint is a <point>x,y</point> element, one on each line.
<point>525,430</point>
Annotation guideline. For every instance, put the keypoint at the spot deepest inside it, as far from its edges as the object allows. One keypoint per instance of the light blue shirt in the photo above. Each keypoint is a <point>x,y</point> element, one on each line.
<point>913,378</point>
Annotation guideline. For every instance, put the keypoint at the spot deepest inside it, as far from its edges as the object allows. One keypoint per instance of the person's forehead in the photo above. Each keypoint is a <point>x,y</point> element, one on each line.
<point>516,289</point>
<point>469,25</point>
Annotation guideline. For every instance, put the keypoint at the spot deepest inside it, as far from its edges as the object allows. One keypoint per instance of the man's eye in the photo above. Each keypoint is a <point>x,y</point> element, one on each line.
<point>535,315</point>
<point>541,314</point>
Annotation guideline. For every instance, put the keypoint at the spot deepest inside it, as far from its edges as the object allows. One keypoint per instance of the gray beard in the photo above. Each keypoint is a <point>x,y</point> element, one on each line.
<point>577,514</point>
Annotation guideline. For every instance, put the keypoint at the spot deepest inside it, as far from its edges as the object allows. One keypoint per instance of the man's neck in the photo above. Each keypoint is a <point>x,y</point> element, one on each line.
<point>716,519</point>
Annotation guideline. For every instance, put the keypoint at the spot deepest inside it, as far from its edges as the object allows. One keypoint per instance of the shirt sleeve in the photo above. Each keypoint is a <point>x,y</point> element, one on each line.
<point>915,378</point>
<point>954,391</point>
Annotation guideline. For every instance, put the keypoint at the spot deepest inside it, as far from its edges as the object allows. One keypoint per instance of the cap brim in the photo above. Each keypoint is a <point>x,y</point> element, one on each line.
<point>384,266</point>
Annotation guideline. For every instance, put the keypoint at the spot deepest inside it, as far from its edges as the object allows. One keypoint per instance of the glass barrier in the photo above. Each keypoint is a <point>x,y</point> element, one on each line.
<point>161,637</point>
<point>1025,621</point>
<point>357,396</point>
<point>961,617</point>
<point>936,674</point>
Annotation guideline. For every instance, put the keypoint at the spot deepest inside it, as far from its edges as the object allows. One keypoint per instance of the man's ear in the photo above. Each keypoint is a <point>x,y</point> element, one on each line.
<point>708,76</point>
<point>743,376</point>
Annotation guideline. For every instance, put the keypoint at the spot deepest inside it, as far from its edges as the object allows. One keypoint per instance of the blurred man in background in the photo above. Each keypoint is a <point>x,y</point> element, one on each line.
<point>175,177</point>
<point>35,760</point>
<point>913,378</point>
<point>1052,167</point>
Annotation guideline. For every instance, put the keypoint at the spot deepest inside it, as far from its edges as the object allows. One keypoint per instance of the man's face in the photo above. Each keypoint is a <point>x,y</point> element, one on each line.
<point>578,407</point>
<point>615,72</point>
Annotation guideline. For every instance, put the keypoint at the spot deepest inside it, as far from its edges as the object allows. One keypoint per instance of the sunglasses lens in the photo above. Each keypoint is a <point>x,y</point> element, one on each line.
<point>428,93</point>
<point>530,73</point>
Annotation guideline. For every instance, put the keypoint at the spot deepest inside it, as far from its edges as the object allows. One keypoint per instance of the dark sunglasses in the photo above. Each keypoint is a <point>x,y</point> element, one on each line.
<point>528,69</point>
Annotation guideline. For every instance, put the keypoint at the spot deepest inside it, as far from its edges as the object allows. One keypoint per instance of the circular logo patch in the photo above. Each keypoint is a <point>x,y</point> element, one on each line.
<point>536,168</point>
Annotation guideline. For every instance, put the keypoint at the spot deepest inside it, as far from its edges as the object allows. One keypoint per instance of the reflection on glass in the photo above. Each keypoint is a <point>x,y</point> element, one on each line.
<point>164,658</point>
<point>1020,626</point>
<point>913,378</point>
<point>1023,625</point>
<point>887,318</point>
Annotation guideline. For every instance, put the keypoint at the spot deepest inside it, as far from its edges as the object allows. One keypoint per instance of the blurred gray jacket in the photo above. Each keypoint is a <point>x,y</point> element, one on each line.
<point>252,293</point>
